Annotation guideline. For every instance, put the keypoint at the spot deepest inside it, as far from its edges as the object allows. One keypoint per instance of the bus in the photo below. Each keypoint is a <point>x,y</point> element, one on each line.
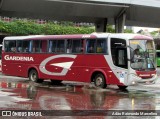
<point>99,58</point>
<point>157,45</point>
<point>0,57</point>
<point>158,57</point>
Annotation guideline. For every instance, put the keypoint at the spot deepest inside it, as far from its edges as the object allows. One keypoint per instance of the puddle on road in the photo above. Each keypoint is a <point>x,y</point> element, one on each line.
<point>28,95</point>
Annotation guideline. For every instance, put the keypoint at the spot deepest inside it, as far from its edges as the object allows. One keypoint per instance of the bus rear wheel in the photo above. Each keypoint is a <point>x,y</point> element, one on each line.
<point>33,76</point>
<point>100,80</point>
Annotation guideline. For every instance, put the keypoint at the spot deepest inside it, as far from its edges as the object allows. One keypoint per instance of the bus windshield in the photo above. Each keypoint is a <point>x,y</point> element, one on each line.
<point>142,55</point>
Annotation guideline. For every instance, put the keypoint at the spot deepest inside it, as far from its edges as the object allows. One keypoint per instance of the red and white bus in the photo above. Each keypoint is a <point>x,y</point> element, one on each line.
<point>101,58</point>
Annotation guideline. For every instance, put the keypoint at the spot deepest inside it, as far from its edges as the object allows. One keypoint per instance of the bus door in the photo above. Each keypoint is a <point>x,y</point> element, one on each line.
<point>119,59</point>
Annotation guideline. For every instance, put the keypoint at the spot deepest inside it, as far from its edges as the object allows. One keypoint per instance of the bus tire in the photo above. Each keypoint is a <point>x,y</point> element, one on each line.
<point>122,87</point>
<point>56,82</point>
<point>100,81</point>
<point>33,76</point>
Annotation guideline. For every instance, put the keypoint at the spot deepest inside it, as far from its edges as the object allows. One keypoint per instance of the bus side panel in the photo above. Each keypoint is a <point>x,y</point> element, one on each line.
<point>9,68</point>
<point>61,67</point>
<point>98,63</point>
<point>76,71</point>
<point>79,70</point>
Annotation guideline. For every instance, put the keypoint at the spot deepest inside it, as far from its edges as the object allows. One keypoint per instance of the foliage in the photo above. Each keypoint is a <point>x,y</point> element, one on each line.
<point>110,29</point>
<point>128,31</point>
<point>29,27</point>
<point>154,33</point>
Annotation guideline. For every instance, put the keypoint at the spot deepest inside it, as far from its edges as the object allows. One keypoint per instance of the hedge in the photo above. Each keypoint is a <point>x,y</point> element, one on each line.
<point>31,28</point>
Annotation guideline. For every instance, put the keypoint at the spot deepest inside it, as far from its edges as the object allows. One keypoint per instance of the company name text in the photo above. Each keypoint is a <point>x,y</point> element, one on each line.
<point>18,58</point>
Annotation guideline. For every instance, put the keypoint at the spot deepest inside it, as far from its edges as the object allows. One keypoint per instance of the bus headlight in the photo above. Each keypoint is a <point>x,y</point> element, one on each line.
<point>153,75</point>
<point>133,82</point>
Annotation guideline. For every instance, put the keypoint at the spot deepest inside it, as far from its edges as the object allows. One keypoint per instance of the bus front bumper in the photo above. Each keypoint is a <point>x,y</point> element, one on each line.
<point>134,79</point>
<point>149,80</point>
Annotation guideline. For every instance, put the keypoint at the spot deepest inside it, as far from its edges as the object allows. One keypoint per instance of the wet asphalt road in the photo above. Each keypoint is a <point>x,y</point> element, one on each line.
<point>21,94</point>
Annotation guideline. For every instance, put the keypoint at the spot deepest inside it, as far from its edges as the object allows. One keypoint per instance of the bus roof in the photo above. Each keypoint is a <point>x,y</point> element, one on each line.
<point>80,36</point>
<point>130,36</point>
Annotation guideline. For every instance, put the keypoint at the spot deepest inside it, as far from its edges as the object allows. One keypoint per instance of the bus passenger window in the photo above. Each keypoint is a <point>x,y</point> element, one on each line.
<point>10,46</point>
<point>19,45</point>
<point>13,49</point>
<point>91,46</point>
<point>77,46</point>
<point>56,46</point>
<point>44,46</point>
<point>50,46</point>
<point>101,46</point>
<point>37,46</point>
<point>19,49</point>
<point>60,46</point>
<point>26,46</point>
<point>69,46</point>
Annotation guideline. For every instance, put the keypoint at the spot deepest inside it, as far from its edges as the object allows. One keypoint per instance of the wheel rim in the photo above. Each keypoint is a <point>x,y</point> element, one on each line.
<point>33,76</point>
<point>99,81</point>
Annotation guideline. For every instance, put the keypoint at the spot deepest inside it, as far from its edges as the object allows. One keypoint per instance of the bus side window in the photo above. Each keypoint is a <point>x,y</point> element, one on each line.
<point>10,46</point>
<point>56,46</point>
<point>26,46</point>
<point>77,46</point>
<point>19,45</point>
<point>60,46</point>
<point>50,46</point>
<point>101,46</point>
<point>44,46</point>
<point>13,49</point>
<point>91,46</point>
<point>69,46</point>
<point>1,51</point>
<point>37,46</point>
<point>19,49</point>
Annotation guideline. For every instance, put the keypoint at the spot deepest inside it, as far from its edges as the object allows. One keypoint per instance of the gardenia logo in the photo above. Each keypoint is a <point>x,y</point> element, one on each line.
<point>18,58</point>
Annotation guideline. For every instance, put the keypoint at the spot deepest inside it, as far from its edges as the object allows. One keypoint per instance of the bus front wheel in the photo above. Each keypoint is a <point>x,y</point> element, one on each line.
<point>33,76</point>
<point>100,81</point>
